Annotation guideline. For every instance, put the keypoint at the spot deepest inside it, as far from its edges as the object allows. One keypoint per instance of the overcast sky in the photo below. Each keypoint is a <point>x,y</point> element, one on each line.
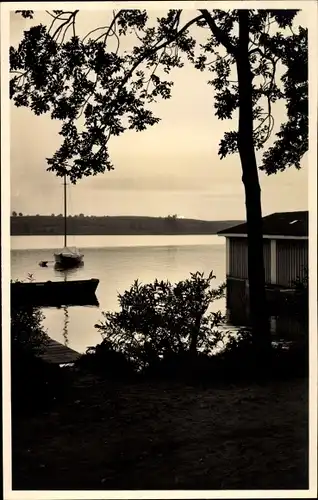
<point>172,167</point>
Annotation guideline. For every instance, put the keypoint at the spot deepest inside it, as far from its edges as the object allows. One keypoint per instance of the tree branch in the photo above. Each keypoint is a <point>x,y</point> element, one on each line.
<point>219,34</point>
<point>69,20</point>
<point>154,49</point>
<point>154,70</point>
<point>52,15</point>
<point>253,51</point>
<point>93,31</point>
<point>110,28</point>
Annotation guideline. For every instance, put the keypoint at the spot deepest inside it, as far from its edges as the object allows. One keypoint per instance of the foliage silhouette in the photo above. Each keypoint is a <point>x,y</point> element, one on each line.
<point>105,103</point>
<point>164,331</point>
<point>26,329</point>
<point>160,319</point>
<point>259,57</point>
<point>298,303</point>
<point>35,385</point>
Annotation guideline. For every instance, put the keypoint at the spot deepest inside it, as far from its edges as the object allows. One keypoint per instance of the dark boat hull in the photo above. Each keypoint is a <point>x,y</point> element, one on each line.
<point>67,262</point>
<point>55,293</point>
<point>68,265</point>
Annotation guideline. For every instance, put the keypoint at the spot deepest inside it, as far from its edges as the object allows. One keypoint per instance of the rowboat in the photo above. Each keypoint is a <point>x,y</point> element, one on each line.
<point>54,293</point>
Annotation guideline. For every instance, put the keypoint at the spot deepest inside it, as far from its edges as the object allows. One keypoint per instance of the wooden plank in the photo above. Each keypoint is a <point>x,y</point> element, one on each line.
<point>56,353</point>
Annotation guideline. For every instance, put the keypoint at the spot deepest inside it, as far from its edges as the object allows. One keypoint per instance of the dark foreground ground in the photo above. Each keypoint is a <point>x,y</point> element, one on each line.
<point>152,436</point>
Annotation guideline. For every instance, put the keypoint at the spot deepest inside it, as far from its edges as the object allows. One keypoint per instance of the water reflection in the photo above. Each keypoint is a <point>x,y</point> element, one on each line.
<point>65,326</point>
<point>283,326</point>
<point>65,273</point>
<point>89,300</point>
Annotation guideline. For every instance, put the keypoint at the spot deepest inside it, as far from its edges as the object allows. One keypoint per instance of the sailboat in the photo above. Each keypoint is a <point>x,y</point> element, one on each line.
<point>69,256</point>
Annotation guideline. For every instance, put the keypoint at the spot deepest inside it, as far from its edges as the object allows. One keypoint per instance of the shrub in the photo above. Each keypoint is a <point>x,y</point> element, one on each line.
<point>26,329</point>
<point>294,360</point>
<point>167,331</point>
<point>104,360</point>
<point>27,333</point>
<point>159,320</point>
<point>238,362</point>
<point>34,383</point>
<point>298,303</point>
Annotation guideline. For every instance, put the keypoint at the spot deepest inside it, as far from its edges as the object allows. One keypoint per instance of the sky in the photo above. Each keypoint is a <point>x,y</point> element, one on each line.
<point>171,168</point>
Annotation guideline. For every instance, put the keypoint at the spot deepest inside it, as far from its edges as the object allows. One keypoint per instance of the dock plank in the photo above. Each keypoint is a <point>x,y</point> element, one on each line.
<point>56,353</point>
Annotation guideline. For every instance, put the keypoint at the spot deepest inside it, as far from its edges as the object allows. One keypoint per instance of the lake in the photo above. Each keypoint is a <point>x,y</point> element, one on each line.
<point>116,261</point>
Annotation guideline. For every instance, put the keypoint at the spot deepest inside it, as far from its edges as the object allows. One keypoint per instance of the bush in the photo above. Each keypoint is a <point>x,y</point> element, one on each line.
<point>238,362</point>
<point>160,320</point>
<point>298,303</point>
<point>34,383</point>
<point>105,361</point>
<point>235,363</point>
<point>187,368</point>
<point>27,332</point>
<point>165,331</point>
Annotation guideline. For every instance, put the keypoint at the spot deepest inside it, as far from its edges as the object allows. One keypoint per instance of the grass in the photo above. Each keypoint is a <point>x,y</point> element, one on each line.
<point>156,436</point>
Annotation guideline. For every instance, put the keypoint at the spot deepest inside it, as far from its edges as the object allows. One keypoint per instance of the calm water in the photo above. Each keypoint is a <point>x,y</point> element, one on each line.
<point>116,261</point>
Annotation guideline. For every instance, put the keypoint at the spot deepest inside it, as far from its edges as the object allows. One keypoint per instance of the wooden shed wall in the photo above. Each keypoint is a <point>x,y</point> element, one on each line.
<point>238,260</point>
<point>291,260</point>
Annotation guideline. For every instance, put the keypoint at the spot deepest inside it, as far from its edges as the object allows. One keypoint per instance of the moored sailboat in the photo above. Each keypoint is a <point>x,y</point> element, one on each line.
<point>68,256</point>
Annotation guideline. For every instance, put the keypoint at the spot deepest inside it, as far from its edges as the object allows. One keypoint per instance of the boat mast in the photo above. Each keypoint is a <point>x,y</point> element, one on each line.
<point>65,213</point>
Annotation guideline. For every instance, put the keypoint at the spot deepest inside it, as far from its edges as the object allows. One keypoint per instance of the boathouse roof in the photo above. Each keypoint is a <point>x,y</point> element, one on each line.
<point>279,224</point>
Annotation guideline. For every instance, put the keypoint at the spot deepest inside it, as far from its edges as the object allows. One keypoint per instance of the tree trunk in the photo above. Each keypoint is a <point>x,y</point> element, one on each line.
<point>256,273</point>
<point>195,334</point>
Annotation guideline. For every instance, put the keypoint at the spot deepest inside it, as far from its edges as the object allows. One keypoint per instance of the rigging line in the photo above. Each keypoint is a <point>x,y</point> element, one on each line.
<point>70,211</point>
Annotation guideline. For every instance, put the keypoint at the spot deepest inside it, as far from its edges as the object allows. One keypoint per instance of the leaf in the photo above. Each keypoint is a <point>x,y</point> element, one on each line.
<point>229,144</point>
<point>26,14</point>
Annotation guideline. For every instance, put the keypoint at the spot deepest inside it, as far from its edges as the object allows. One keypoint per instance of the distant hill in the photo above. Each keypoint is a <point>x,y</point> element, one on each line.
<point>92,225</point>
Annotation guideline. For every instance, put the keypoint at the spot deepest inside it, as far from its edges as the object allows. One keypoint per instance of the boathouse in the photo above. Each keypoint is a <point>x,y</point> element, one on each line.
<point>285,244</point>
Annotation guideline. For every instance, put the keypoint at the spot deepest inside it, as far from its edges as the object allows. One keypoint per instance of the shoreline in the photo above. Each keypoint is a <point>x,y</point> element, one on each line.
<point>114,226</point>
